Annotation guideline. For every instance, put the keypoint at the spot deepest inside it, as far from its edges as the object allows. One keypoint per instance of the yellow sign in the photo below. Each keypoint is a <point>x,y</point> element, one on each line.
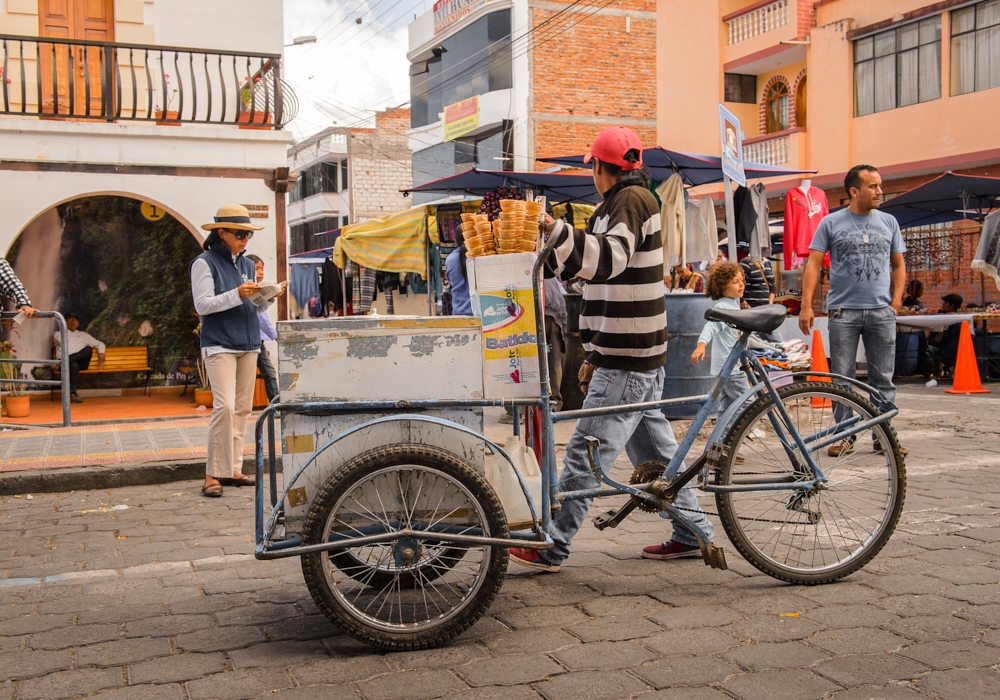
<point>461,118</point>
<point>152,212</point>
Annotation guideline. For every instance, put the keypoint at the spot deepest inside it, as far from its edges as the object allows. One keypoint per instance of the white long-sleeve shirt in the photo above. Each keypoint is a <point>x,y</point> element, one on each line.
<point>206,301</point>
<point>78,340</point>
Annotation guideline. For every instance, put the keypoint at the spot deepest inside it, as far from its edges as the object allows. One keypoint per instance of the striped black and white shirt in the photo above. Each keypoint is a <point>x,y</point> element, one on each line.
<point>11,287</point>
<point>759,278</point>
<point>623,323</point>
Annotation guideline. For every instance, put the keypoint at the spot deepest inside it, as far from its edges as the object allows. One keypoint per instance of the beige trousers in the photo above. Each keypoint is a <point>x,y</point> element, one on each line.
<point>232,376</point>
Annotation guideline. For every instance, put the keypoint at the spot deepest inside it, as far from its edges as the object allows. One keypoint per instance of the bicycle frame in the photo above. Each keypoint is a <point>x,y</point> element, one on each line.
<point>798,448</point>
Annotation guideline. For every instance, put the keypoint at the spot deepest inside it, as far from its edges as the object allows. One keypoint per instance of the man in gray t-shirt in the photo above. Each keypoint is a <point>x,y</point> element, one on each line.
<point>867,277</point>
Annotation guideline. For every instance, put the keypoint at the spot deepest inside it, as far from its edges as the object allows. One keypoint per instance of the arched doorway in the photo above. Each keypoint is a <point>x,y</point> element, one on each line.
<point>800,102</point>
<point>122,268</point>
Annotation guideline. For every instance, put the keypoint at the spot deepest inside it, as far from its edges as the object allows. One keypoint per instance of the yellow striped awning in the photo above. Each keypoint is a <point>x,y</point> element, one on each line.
<point>394,243</point>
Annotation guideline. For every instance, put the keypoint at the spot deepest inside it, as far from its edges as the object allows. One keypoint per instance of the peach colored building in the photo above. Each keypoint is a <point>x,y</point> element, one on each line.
<point>909,86</point>
<point>906,85</point>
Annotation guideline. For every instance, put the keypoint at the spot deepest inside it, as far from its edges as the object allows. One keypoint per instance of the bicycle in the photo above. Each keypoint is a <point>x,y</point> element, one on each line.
<point>404,545</point>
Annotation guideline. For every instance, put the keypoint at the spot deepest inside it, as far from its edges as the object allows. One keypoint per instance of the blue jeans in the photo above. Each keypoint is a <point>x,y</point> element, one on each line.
<point>877,329</point>
<point>732,389</point>
<point>643,435</point>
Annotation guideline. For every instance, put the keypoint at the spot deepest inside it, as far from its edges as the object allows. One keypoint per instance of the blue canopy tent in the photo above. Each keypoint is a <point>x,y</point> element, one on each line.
<point>948,193</point>
<point>558,187</point>
<point>910,218</point>
<point>695,169</point>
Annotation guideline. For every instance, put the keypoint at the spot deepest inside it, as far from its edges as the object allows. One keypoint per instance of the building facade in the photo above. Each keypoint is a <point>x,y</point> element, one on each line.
<point>95,104</point>
<point>908,86</point>
<point>346,176</point>
<point>496,84</point>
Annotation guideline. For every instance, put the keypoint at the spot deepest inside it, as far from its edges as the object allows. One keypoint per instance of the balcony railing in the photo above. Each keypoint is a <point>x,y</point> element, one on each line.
<point>102,81</point>
<point>758,21</point>
<point>775,151</point>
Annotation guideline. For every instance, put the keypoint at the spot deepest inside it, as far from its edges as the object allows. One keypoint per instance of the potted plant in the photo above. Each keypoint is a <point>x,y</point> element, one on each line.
<point>168,117</point>
<point>203,392</point>
<point>18,401</point>
<point>252,118</point>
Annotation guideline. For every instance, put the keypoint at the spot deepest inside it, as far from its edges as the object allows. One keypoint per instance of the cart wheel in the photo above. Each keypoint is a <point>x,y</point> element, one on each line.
<point>811,536</point>
<point>408,593</point>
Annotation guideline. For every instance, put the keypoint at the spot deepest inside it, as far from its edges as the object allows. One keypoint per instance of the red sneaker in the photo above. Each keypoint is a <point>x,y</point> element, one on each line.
<point>532,559</point>
<point>671,550</point>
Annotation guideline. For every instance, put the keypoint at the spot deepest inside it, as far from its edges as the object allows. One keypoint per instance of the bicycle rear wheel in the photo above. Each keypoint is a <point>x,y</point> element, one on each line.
<point>819,535</point>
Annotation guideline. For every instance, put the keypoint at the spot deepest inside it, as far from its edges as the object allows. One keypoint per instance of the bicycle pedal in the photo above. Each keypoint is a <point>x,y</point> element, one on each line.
<point>715,557</point>
<point>613,518</point>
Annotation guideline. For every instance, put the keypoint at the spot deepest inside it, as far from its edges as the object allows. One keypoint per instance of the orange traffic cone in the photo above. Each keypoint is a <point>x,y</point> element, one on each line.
<point>966,367</point>
<point>820,364</point>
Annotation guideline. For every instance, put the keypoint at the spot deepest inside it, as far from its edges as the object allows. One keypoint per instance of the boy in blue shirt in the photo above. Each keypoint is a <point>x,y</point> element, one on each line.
<point>725,286</point>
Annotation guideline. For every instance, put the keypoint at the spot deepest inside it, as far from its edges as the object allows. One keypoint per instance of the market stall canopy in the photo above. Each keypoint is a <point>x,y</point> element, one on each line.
<point>948,193</point>
<point>393,243</point>
<point>556,186</point>
<point>694,168</point>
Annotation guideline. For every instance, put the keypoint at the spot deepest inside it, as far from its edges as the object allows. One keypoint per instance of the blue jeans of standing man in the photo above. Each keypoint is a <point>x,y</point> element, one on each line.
<point>644,435</point>
<point>876,328</point>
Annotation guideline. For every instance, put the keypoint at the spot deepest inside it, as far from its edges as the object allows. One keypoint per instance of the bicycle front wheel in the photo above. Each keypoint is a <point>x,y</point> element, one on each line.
<point>825,533</point>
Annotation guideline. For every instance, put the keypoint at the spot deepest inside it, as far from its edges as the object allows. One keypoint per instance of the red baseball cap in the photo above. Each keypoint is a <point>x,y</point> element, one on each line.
<point>612,144</point>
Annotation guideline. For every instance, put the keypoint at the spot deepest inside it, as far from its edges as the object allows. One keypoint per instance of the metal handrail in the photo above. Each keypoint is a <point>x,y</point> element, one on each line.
<point>112,81</point>
<point>63,381</point>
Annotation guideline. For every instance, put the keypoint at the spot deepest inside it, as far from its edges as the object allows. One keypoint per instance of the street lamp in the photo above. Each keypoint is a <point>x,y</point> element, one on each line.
<point>301,41</point>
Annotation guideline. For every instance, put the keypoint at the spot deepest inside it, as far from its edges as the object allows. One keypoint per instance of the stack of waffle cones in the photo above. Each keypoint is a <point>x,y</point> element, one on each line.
<point>516,231</point>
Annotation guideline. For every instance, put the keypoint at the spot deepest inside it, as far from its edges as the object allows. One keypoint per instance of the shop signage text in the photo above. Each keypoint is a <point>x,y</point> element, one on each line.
<point>461,118</point>
<point>447,12</point>
<point>258,211</point>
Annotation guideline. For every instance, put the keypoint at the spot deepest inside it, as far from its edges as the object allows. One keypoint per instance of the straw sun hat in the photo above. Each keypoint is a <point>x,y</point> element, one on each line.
<point>232,216</point>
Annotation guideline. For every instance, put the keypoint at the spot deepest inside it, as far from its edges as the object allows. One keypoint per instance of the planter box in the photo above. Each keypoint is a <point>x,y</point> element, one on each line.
<point>168,118</point>
<point>261,120</point>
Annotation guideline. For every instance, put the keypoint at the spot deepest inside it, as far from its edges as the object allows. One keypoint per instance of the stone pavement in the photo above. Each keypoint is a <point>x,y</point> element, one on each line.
<point>151,592</point>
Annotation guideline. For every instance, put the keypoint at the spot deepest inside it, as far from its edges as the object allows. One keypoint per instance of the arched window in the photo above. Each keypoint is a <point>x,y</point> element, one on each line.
<point>777,107</point>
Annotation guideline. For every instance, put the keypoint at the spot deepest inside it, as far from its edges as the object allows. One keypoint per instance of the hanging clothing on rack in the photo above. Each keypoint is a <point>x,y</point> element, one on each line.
<point>672,226</point>
<point>366,290</point>
<point>803,212</point>
<point>331,289</point>
<point>352,270</point>
<point>304,284</point>
<point>987,258</point>
<point>760,235</point>
<point>700,230</point>
<point>745,213</point>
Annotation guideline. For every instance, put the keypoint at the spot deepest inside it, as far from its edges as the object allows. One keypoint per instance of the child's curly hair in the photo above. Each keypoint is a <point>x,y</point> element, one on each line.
<point>722,275</point>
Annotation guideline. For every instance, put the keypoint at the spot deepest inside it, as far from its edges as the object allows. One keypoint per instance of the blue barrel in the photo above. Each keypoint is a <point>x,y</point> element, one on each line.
<point>685,319</point>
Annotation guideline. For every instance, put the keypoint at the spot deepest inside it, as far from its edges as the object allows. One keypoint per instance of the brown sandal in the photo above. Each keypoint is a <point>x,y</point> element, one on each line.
<point>243,480</point>
<point>212,490</point>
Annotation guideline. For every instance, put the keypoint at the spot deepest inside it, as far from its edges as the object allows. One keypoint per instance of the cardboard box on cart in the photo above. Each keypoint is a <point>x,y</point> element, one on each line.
<point>503,298</point>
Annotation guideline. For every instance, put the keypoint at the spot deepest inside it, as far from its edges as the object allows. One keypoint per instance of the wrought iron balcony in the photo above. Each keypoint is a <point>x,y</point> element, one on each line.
<point>103,81</point>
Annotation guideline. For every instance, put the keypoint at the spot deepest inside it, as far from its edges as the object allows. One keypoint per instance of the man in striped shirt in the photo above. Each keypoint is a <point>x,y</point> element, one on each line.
<point>623,326</point>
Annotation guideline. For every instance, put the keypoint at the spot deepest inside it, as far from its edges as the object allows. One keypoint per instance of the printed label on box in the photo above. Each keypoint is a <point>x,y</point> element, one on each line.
<point>510,347</point>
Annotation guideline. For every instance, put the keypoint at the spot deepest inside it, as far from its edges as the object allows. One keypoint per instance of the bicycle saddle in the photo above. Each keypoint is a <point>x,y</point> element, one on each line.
<point>762,319</point>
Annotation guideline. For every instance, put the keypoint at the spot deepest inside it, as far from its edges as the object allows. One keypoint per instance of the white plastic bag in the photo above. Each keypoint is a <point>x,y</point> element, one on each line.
<point>505,483</point>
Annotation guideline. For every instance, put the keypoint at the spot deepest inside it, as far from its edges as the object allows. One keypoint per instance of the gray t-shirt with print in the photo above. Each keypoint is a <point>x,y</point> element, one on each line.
<point>859,269</point>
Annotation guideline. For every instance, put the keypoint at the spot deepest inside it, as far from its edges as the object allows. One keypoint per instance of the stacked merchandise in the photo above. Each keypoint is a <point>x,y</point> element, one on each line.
<point>514,231</point>
<point>786,356</point>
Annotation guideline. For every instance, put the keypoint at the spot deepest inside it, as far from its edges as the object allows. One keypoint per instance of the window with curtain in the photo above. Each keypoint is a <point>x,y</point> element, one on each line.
<point>777,107</point>
<point>975,48</point>
<point>897,68</point>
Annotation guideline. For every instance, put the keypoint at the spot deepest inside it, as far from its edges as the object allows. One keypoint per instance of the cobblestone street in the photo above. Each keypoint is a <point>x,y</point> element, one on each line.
<point>152,592</point>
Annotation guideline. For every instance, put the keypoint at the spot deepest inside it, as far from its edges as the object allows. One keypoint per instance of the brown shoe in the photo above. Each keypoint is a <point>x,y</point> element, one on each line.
<point>844,447</point>
<point>212,490</point>
<point>242,480</point>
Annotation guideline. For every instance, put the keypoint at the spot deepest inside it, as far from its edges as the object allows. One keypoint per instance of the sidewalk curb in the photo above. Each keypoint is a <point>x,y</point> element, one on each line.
<point>106,476</point>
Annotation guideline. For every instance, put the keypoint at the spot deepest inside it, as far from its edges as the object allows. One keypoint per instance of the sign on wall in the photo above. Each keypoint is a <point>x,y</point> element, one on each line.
<point>461,118</point>
<point>151,212</point>
<point>447,12</point>
<point>732,147</point>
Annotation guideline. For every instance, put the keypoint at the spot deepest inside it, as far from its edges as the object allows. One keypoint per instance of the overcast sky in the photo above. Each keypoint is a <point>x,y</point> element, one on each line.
<point>352,68</point>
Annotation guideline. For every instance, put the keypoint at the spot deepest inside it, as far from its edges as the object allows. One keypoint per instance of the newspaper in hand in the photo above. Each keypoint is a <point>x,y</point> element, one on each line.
<point>265,292</point>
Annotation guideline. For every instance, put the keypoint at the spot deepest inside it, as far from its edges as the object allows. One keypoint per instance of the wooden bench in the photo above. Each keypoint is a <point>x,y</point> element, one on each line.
<point>132,358</point>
